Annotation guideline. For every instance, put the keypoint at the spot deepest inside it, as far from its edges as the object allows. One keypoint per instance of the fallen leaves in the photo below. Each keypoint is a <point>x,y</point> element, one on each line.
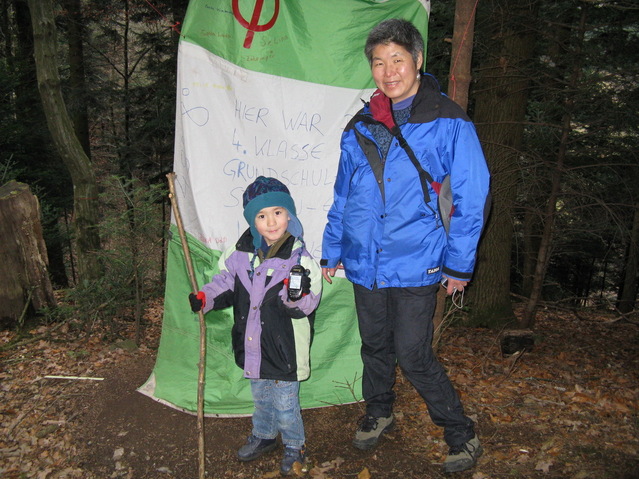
<point>543,466</point>
<point>568,408</point>
<point>364,474</point>
<point>34,416</point>
<point>324,470</point>
<point>271,475</point>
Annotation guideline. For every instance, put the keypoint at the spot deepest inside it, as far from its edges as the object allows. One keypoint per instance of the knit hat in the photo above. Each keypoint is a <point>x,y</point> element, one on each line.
<point>264,193</point>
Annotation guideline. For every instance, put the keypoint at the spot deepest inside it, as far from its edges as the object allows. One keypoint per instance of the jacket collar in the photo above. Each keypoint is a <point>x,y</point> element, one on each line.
<point>245,244</point>
<point>428,98</point>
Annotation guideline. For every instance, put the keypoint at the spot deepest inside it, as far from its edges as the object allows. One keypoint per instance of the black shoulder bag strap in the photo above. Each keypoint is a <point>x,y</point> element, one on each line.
<point>425,177</point>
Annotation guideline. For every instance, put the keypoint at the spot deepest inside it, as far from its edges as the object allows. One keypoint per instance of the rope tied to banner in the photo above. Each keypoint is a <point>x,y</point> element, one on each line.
<point>174,26</point>
<point>453,79</point>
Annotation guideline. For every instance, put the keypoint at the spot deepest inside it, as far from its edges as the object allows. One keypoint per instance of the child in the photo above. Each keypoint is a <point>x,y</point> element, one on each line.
<point>272,329</point>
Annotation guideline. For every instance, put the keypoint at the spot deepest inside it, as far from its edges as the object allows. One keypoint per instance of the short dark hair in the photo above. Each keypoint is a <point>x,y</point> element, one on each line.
<point>395,30</point>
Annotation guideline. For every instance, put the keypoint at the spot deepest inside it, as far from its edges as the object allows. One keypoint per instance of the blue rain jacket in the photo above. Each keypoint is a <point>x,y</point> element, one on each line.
<point>381,228</point>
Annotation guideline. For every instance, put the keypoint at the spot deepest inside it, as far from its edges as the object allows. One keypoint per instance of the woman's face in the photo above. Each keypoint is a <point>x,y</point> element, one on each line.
<point>394,71</point>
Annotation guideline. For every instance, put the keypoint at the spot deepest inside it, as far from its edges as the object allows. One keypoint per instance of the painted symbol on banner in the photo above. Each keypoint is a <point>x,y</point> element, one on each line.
<point>198,115</point>
<point>254,26</point>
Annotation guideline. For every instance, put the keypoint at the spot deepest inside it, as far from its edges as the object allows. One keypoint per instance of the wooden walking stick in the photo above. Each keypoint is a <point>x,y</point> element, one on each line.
<point>194,288</point>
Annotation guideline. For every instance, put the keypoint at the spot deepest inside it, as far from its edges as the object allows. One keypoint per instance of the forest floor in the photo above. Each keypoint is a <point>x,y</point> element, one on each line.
<point>569,408</point>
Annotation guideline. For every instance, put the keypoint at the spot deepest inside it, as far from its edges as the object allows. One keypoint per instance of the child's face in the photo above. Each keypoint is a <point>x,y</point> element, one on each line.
<point>271,223</point>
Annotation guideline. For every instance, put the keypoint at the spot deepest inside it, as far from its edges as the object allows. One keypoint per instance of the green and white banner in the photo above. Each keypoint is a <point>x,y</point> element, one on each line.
<point>265,87</point>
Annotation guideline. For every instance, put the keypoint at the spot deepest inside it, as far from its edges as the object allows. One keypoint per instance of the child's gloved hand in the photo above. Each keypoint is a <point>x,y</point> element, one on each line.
<point>198,301</point>
<point>304,288</point>
<point>306,283</point>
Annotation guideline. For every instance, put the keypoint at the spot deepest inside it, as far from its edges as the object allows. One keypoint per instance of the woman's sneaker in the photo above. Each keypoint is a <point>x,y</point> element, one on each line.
<point>464,456</point>
<point>255,447</point>
<point>370,429</point>
<point>291,456</point>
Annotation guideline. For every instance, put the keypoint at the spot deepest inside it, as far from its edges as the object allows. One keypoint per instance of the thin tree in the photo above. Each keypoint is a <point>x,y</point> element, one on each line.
<point>462,53</point>
<point>550,213</point>
<point>85,199</point>
<point>628,294</point>
<point>458,84</point>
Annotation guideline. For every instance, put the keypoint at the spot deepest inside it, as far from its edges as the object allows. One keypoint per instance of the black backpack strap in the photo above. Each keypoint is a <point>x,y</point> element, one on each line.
<point>425,177</point>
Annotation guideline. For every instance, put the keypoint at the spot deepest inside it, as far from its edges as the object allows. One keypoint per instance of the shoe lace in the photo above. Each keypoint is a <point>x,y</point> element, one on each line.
<point>468,447</point>
<point>367,422</point>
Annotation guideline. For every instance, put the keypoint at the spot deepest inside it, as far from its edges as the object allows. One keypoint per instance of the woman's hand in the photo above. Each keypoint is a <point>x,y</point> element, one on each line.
<point>328,273</point>
<point>453,285</point>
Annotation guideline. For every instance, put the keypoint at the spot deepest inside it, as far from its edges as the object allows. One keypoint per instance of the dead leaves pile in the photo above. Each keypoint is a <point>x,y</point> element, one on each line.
<point>569,408</point>
<point>326,470</point>
<point>35,415</point>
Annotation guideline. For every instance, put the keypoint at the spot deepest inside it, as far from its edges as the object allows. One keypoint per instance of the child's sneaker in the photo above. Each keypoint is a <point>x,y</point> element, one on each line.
<point>255,447</point>
<point>464,456</point>
<point>291,456</point>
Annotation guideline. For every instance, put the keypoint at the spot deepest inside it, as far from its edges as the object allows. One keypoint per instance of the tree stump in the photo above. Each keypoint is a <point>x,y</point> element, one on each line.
<point>24,276</point>
<point>516,340</point>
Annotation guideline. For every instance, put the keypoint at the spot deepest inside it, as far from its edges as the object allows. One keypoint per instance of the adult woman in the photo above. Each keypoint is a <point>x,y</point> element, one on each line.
<point>386,231</point>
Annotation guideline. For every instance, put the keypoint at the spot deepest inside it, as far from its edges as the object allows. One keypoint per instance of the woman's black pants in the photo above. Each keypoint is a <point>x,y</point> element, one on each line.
<point>396,327</point>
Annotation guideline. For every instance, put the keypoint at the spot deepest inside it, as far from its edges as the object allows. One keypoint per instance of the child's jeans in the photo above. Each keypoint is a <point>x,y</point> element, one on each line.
<point>277,409</point>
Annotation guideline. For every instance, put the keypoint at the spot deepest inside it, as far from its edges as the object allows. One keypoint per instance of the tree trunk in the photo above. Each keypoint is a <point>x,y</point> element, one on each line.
<point>628,294</point>
<point>126,165</point>
<point>462,52</point>
<point>85,201</point>
<point>533,221</point>
<point>25,105</point>
<point>545,246</point>
<point>77,83</point>
<point>530,246</point>
<point>24,279</point>
<point>502,95</point>
<point>459,81</point>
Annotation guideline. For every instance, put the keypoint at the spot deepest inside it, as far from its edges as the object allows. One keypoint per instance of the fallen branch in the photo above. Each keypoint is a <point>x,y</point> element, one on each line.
<point>513,360</point>
<point>27,303</point>
<point>20,342</point>
<point>15,422</point>
<point>74,378</point>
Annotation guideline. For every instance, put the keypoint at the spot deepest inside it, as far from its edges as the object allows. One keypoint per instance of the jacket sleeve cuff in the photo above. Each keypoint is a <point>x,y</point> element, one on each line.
<point>329,263</point>
<point>462,276</point>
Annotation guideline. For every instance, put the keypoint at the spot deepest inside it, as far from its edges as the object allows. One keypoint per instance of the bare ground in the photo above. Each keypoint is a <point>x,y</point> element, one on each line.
<point>567,409</point>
